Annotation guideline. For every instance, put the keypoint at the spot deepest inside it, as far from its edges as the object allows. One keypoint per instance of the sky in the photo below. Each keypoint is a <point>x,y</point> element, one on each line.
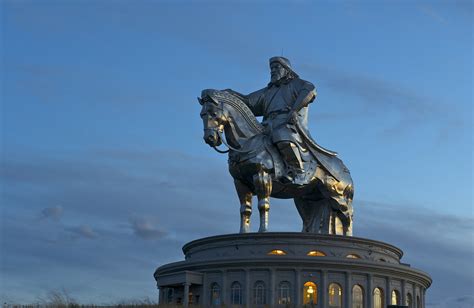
<point>105,175</point>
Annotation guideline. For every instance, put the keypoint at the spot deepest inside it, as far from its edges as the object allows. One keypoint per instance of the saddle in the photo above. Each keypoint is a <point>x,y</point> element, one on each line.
<point>310,156</point>
<point>309,164</point>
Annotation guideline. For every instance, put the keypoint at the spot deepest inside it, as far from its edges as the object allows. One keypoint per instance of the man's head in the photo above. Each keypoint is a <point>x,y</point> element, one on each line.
<point>280,67</point>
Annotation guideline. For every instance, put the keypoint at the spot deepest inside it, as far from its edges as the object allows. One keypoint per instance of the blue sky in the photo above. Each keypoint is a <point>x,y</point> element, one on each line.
<point>104,172</point>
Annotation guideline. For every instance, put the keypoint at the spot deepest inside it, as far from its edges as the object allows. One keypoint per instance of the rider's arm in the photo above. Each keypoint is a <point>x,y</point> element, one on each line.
<point>238,94</point>
<point>254,100</point>
<point>306,95</point>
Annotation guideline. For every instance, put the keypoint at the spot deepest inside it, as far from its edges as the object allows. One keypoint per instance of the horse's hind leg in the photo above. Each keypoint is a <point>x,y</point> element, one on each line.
<point>341,194</point>
<point>263,188</point>
<point>245,197</point>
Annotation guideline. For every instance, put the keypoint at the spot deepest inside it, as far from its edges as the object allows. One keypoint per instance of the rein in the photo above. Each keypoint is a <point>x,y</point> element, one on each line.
<point>227,145</point>
<point>220,151</point>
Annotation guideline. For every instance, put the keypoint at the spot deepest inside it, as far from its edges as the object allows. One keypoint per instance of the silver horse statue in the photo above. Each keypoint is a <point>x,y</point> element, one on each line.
<point>324,202</point>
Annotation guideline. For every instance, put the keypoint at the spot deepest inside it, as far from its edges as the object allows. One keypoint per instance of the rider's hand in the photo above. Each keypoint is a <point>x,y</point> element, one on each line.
<point>292,117</point>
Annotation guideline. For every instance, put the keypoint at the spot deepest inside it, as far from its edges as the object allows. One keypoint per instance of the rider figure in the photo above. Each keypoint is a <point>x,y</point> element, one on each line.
<point>283,103</point>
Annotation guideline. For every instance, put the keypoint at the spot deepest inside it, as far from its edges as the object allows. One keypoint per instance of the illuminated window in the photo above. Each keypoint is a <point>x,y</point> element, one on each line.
<point>395,297</point>
<point>215,295</point>
<point>378,298</point>
<point>259,293</point>
<point>316,253</point>
<point>310,293</point>
<point>284,289</point>
<point>277,252</point>
<point>236,293</point>
<point>335,295</point>
<point>357,297</point>
<point>409,302</point>
<point>353,256</point>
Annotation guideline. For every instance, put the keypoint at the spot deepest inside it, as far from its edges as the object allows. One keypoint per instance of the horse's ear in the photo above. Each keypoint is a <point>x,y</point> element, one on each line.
<point>200,101</point>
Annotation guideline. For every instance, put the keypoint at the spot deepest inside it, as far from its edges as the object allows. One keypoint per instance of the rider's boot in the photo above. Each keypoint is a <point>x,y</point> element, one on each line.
<point>292,157</point>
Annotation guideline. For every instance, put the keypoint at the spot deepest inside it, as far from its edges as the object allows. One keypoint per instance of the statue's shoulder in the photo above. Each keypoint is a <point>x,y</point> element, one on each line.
<point>303,84</point>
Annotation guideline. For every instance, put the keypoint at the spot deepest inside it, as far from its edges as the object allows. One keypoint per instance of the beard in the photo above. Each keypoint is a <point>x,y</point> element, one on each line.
<point>277,76</point>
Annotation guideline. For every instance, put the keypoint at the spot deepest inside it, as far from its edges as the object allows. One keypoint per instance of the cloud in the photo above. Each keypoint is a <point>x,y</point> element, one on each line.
<point>374,98</point>
<point>102,186</point>
<point>113,197</point>
<point>376,94</point>
<point>53,213</point>
<point>431,12</point>
<point>437,243</point>
<point>453,302</point>
<point>45,84</point>
<point>82,231</point>
<point>144,229</point>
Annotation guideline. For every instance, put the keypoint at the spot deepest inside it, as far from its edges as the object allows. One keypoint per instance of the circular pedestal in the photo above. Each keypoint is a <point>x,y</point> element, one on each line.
<point>291,270</point>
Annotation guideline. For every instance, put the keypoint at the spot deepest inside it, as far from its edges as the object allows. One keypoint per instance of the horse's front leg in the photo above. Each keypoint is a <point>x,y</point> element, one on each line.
<point>245,197</point>
<point>263,188</point>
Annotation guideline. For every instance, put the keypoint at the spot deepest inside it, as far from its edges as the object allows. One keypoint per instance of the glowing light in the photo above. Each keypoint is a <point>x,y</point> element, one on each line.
<point>277,252</point>
<point>316,253</point>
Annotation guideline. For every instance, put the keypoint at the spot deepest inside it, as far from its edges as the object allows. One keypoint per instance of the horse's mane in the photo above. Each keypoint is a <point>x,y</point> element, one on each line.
<point>237,103</point>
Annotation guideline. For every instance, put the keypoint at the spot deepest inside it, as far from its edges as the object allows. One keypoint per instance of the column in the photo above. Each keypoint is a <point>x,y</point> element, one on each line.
<point>324,288</point>
<point>415,302</point>
<point>403,295</point>
<point>272,292</point>
<point>205,300</point>
<point>388,293</point>
<point>347,293</point>
<point>248,289</point>
<point>186,294</point>
<point>224,288</point>
<point>368,292</point>
<point>423,293</point>
<point>160,296</point>
<point>298,289</point>
<point>413,291</point>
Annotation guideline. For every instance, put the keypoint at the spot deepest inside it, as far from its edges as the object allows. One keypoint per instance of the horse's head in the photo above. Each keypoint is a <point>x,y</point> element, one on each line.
<point>213,118</point>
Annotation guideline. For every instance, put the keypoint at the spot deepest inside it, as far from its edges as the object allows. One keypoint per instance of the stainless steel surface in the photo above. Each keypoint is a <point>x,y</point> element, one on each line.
<point>278,157</point>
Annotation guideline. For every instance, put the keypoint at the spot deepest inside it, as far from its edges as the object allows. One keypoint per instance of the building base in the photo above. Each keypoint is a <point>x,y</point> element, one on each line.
<point>279,269</point>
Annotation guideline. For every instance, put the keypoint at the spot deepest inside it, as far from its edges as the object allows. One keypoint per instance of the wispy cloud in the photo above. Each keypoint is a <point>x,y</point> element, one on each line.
<point>114,197</point>
<point>82,231</point>
<point>428,10</point>
<point>453,302</point>
<point>54,213</point>
<point>438,243</point>
<point>145,229</point>
<point>376,95</point>
<point>373,98</point>
<point>55,85</point>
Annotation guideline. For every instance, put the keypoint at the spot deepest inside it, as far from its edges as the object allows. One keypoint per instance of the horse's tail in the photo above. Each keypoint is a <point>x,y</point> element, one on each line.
<point>349,192</point>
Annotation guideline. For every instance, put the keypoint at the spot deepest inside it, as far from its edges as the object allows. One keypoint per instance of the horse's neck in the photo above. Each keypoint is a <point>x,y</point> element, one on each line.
<point>238,130</point>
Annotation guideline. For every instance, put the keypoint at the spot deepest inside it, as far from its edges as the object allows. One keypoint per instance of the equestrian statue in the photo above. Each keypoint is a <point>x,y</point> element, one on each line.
<point>278,157</point>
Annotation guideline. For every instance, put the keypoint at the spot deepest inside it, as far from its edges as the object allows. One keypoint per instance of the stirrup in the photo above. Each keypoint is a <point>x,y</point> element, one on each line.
<point>294,176</point>
<point>299,179</point>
